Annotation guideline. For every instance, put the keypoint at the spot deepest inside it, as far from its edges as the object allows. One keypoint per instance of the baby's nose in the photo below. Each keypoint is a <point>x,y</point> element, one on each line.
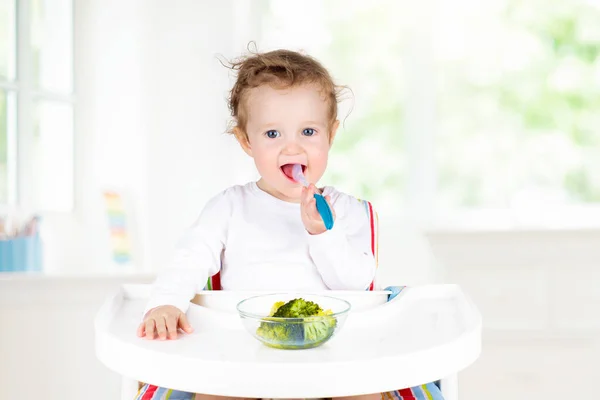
<point>292,147</point>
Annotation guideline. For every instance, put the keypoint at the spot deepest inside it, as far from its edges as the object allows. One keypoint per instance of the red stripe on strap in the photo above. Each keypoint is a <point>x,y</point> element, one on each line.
<point>372,221</point>
<point>216,281</point>
<point>406,394</point>
<point>150,389</point>
<point>372,228</point>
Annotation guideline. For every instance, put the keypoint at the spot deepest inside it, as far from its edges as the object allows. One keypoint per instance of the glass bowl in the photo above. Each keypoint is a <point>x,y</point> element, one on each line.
<point>292,333</point>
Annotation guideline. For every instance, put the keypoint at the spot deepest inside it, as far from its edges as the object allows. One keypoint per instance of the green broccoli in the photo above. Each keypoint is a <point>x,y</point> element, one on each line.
<point>275,332</point>
<point>308,326</point>
<point>319,328</point>
<point>297,308</point>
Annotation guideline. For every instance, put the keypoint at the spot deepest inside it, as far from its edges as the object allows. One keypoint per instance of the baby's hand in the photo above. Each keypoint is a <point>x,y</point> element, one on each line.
<point>165,320</point>
<point>308,208</point>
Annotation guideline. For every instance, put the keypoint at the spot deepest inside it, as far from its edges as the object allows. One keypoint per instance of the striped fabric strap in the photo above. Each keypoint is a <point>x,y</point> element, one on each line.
<point>374,228</point>
<point>214,282</point>
<point>151,392</point>
<point>429,391</point>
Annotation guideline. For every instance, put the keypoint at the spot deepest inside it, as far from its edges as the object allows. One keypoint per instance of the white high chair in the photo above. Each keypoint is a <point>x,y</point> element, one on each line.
<point>444,339</point>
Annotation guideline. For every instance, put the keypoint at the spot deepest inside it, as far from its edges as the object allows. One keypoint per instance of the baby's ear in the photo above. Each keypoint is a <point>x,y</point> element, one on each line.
<point>333,131</point>
<point>242,139</point>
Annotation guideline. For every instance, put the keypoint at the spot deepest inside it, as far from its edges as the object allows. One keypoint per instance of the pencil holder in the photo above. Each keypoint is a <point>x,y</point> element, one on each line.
<point>21,254</point>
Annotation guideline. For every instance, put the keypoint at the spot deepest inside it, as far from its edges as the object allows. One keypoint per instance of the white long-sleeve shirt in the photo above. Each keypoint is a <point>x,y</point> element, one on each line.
<point>259,242</point>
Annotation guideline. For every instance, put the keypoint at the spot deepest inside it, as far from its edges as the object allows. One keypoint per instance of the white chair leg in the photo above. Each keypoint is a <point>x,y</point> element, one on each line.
<point>449,387</point>
<point>129,388</point>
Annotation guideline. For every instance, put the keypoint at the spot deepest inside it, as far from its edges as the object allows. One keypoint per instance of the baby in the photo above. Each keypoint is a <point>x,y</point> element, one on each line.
<point>268,235</point>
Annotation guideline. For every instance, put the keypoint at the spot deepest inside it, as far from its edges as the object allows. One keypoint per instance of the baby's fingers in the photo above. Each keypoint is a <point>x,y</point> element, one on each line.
<point>171,321</point>
<point>161,328</point>
<point>313,213</point>
<point>309,208</point>
<point>141,329</point>
<point>184,324</point>
<point>149,328</point>
<point>305,197</point>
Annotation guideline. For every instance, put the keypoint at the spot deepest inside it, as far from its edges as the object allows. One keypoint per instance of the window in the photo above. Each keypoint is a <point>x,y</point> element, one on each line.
<point>8,16</point>
<point>459,105</point>
<point>36,104</point>
<point>518,95</point>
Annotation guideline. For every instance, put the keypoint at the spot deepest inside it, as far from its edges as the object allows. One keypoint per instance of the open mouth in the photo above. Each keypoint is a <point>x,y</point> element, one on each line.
<point>286,169</point>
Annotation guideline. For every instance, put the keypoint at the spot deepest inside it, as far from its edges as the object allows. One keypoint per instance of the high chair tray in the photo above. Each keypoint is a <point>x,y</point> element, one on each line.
<point>424,334</point>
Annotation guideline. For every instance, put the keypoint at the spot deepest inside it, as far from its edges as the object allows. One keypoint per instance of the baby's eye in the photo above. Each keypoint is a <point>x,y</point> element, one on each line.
<point>308,132</point>
<point>272,134</point>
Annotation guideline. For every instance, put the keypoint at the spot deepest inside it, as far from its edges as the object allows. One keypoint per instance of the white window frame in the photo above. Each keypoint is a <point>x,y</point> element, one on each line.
<point>21,137</point>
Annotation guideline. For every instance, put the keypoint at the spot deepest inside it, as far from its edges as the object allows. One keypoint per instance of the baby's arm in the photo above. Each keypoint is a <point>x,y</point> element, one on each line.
<point>343,254</point>
<point>197,257</point>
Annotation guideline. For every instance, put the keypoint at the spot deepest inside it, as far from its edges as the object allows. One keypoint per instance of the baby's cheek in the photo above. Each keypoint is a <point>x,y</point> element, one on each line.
<point>319,162</point>
<point>263,157</point>
<point>264,167</point>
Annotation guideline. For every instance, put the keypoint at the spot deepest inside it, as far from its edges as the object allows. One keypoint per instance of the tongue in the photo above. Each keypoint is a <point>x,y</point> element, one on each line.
<point>287,170</point>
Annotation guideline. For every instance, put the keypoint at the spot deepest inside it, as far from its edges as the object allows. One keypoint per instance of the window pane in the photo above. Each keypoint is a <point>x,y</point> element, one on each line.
<point>53,156</point>
<point>52,44</point>
<point>519,94</point>
<point>7,147</point>
<point>7,39</point>
<point>3,149</point>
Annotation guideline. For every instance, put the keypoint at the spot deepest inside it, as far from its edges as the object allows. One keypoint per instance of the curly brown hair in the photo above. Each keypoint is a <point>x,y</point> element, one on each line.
<point>280,69</point>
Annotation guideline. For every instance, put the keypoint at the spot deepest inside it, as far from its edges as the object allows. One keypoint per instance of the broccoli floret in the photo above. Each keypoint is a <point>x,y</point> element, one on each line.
<point>308,327</point>
<point>320,327</point>
<point>276,332</point>
<point>276,307</point>
<point>297,308</point>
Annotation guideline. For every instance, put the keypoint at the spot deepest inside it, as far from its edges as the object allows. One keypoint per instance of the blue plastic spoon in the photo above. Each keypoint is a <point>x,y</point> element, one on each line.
<point>322,206</point>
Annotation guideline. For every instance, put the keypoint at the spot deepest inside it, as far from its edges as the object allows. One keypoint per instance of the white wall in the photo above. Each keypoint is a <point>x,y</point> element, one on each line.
<point>190,158</point>
<point>151,113</point>
<point>47,337</point>
<point>405,257</point>
<point>110,140</point>
<point>539,298</point>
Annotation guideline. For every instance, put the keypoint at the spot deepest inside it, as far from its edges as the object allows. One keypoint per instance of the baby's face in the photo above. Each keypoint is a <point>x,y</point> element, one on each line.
<point>288,126</point>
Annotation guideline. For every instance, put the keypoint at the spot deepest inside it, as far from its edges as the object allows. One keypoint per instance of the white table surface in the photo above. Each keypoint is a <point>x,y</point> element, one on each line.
<point>424,334</point>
